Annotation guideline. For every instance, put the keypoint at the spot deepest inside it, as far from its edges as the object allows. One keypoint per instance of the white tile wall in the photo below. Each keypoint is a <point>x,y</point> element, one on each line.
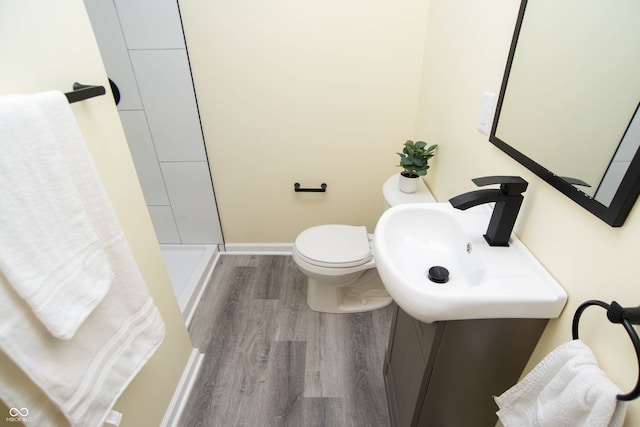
<point>631,140</point>
<point>142,45</point>
<point>165,84</point>
<point>151,24</point>
<point>192,201</point>
<point>144,156</point>
<point>611,182</point>
<point>164,224</point>
<point>621,162</point>
<point>113,49</point>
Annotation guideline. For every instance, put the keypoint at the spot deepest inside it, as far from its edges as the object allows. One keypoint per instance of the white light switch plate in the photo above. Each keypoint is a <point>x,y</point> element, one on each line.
<point>486,112</point>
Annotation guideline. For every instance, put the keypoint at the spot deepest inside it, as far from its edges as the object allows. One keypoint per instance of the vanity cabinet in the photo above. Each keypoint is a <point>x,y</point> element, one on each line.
<point>445,374</point>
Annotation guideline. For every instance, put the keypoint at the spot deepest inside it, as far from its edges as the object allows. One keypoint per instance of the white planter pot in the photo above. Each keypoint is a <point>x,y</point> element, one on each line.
<point>408,185</point>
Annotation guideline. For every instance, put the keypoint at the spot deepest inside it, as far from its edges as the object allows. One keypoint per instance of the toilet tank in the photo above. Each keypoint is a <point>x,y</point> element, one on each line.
<point>393,196</point>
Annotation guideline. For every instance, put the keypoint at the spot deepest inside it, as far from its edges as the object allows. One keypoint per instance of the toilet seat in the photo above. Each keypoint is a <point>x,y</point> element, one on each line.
<point>334,246</point>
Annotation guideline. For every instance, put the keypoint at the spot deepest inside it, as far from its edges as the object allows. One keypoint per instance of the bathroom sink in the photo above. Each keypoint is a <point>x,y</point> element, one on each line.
<point>482,282</point>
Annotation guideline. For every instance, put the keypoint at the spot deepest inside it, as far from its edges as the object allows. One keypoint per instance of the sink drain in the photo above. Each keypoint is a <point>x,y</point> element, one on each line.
<point>438,274</point>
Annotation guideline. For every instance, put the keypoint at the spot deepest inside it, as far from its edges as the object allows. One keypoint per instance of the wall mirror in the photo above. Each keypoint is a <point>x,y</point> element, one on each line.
<point>568,105</point>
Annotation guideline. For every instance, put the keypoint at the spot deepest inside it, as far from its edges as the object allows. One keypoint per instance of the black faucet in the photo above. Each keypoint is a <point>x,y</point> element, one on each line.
<point>507,198</point>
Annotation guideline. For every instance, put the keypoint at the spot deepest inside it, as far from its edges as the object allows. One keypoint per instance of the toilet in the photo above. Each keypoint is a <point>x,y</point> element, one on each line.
<point>338,260</point>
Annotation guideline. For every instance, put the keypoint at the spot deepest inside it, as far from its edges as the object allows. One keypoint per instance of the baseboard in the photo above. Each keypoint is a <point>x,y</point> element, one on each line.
<point>183,390</point>
<point>259,248</point>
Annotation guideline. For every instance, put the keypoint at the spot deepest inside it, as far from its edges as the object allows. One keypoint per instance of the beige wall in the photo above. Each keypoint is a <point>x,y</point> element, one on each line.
<point>49,45</point>
<point>307,92</point>
<point>467,46</point>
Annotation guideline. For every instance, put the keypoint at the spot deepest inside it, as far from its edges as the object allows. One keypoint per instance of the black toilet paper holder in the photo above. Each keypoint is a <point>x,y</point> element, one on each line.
<point>298,189</point>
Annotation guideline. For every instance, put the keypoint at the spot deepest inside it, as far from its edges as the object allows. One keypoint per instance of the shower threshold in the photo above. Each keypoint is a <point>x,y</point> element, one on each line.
<point>189,268</point>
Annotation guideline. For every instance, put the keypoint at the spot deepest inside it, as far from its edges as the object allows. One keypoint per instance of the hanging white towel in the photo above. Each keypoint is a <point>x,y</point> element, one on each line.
<point>566,389</point>
<point>77,381</point>
<point>49,249</point>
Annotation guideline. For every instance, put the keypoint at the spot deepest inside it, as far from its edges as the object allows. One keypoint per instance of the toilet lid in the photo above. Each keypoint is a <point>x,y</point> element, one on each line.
<point>339,245</point>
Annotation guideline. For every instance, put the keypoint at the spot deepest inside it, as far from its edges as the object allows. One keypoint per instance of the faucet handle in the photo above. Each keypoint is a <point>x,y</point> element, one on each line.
<point>509,185</point>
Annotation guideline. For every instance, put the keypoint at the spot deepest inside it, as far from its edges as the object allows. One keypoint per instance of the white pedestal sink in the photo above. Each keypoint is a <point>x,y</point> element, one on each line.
<point>484,282</point>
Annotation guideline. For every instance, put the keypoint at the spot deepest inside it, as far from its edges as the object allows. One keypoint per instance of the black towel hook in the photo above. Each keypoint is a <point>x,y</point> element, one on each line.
<point>616,314</point>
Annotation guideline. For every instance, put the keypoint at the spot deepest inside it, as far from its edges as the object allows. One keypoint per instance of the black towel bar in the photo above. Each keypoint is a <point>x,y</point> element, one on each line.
<point>82,92</point>
<point>322,189</point>
<point>616,314</point>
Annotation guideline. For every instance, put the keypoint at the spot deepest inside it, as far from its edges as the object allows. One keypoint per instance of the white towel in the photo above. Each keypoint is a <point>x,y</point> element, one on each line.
<point>79,379</point>
<point>566,389</point>
<point>49,250</point>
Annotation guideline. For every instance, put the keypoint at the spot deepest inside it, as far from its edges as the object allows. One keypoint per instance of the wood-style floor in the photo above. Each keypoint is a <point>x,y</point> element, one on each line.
<point>272,361</point>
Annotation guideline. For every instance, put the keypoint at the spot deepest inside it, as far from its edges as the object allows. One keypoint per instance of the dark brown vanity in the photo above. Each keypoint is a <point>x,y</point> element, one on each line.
<point>445,374</point>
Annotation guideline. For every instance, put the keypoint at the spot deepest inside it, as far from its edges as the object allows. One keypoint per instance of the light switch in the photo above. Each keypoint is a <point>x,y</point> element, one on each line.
<point>486,112</point>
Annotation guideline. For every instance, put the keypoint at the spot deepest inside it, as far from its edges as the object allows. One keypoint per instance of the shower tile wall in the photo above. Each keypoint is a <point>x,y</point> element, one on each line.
<point>142,45</point>
<point>625,152</point>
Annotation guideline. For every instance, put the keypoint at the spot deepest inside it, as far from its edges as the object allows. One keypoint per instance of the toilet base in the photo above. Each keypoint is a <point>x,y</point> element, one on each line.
<point>365,293</point>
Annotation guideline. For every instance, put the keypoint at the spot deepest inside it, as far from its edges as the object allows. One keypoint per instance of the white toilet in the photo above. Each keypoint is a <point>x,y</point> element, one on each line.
<point>338,260</point>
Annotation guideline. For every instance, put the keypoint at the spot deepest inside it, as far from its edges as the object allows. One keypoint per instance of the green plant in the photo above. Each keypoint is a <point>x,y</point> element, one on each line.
<point>414,158</point>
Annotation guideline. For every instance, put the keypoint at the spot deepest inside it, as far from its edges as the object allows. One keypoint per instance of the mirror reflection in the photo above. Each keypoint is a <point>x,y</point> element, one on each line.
<point>568,103</point>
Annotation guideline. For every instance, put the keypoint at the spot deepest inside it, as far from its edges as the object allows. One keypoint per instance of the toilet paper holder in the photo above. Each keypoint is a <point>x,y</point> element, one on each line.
<point>298,189</point>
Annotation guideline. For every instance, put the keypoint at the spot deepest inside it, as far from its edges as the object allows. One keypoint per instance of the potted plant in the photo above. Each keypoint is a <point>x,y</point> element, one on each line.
<point>414,159</point>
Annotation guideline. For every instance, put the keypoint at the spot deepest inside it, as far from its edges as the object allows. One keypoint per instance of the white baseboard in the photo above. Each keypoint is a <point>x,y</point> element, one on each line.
<point>183,390</point>
<point>259,248</point>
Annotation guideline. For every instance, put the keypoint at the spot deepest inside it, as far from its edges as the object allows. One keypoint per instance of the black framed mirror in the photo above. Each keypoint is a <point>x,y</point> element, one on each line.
<point>568,108</point>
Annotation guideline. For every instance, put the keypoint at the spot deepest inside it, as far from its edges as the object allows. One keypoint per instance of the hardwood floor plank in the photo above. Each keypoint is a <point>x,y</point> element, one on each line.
<point>271,361</point>
<point>213,336</point>
<point>321,412</point>
<point>287,375</point>
<point>295,316</point>
<point>367,385</point>
<point>328,351</point>
<point>271,278</point>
